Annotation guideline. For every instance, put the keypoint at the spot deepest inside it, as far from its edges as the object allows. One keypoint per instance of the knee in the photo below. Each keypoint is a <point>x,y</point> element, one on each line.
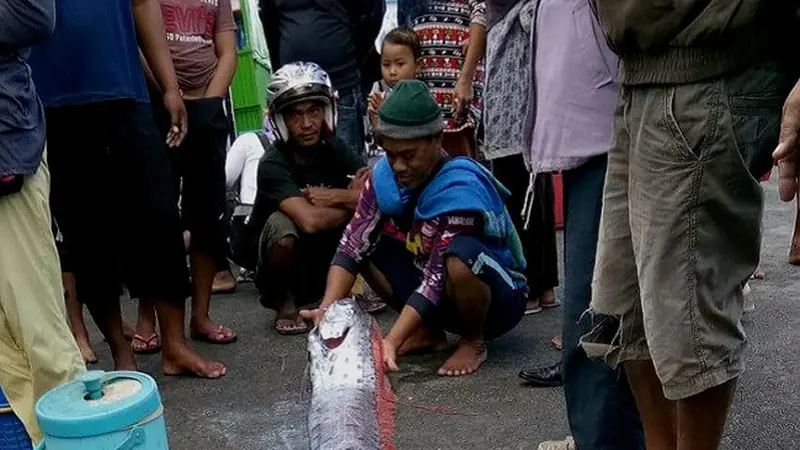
<point>282,251</point>
<point>457,270</point>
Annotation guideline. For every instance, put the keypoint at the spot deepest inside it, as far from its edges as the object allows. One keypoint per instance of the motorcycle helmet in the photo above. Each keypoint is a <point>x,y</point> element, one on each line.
<point>299,82</point>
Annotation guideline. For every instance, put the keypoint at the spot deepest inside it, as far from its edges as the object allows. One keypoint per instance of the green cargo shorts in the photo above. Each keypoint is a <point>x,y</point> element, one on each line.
<point>680,226</point>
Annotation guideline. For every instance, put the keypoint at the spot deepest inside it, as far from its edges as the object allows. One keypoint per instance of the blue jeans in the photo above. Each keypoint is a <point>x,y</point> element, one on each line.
<point>600,407</point>
<point>350,122</point>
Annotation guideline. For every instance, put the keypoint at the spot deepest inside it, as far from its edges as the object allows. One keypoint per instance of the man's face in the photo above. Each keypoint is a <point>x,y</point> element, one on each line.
<point>304,121</point>
<point>412,160</point>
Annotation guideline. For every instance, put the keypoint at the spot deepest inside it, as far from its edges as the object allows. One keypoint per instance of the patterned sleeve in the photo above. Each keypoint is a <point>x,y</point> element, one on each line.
<point>477,13</point>
<point>362,233</point>
<point>427,296</point>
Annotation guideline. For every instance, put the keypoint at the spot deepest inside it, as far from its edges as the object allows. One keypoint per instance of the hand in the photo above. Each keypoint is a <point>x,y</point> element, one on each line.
<point>177,116</point>
<point>390,354</point>
<point>322,197</point>
<point>787,155</point>
<point>375,100</point>
<point>360,179</point>
<point>313,316</point>
<point>462,98</point>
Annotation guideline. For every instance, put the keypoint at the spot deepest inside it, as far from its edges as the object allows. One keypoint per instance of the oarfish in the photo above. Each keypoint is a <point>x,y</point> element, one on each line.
<point>352,403</point>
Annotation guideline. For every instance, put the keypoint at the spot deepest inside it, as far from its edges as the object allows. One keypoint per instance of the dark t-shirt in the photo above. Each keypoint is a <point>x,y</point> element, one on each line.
<point>91,57</point>
<point>309,32</point>
<point>280,178</point>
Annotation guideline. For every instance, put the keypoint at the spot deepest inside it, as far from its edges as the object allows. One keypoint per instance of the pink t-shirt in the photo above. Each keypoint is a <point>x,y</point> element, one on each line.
<point>191,26</point>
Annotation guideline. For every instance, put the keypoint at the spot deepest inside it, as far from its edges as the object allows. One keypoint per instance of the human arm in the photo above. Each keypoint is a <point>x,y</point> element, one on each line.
<point>787,155</point>
<point>153,45</point>
<point>225,49</point>
<point>24,23</point>
<point>312,219</point>
<point>359,239</point>
<point>476,49</point>
<point>148,73</point>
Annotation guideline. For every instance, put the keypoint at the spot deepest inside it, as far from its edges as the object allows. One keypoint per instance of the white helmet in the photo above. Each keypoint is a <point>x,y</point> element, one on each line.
<point>298,82</point>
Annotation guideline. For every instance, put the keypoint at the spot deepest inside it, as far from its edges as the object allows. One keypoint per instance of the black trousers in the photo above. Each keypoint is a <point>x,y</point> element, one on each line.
<point>198,173</point>
<point>113,200</point>
<point>539,241</point>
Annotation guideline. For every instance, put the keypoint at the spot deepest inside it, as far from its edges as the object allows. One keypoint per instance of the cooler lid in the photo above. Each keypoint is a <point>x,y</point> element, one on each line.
<point>98,403</point>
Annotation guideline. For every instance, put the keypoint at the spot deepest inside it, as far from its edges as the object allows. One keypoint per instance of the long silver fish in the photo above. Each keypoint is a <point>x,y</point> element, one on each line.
<point>352,403</point>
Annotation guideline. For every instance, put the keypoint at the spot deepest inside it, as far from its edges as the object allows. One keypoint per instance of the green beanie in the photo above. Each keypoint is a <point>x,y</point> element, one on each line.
<point>409,112</point>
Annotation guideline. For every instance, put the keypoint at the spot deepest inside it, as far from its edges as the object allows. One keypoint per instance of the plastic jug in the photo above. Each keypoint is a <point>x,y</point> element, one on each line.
<point>12,433</point>
<point>103,411</point>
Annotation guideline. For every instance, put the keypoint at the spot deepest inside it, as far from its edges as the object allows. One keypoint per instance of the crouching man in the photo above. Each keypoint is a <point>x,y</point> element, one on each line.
<point>307,190</point>
<point>432,235</point>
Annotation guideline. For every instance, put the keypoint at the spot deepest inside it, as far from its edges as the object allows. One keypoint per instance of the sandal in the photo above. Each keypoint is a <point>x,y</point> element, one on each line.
<point>148,346</point>
<point>287,325</point>
<point>371,305</point>
<point>220,332</point>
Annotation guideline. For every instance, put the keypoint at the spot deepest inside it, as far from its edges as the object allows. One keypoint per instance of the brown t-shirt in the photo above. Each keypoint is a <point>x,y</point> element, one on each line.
<point>191,26</point>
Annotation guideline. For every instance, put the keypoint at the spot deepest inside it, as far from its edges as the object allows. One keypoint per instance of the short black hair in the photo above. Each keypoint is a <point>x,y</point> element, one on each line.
<point>406,37</point>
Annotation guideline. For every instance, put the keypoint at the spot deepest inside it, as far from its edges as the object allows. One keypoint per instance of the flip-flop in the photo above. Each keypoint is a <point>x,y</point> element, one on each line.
<point>552,304</point>
<point>371,305</point>
<point>288,331</point>
<point>531,311</point>
<point>151,345</point>
<point>202,337</point>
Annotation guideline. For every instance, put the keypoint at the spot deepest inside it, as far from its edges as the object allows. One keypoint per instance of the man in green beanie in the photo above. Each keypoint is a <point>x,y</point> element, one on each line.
<point>432,236</point>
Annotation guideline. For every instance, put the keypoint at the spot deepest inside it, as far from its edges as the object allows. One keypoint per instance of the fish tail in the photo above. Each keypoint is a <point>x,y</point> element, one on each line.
<point>386,400</point>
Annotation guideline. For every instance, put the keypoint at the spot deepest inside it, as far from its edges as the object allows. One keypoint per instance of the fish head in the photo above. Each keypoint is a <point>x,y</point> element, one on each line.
<point>341,318</point>
<point>340,347</point>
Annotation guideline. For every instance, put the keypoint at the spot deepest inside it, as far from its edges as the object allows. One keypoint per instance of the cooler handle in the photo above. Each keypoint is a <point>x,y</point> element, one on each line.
<point>134,439</point>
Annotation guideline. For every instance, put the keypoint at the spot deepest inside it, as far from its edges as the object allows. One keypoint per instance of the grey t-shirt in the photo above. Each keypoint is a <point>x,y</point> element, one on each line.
<point>309,32</point>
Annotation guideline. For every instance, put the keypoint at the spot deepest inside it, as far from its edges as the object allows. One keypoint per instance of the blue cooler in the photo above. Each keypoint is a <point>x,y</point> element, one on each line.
<point>12,433</point>
<point>103,411</point>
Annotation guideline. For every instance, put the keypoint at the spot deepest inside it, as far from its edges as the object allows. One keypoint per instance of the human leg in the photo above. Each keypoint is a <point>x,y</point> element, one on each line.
<point>350,121</point>
<point>37,349</point>
<point>600,408</point>
<point>155,256</point>
<point>79,163</point>
<point>202,160</point>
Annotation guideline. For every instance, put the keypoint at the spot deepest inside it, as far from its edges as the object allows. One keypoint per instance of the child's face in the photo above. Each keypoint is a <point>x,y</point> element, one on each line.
<point>397,63</point>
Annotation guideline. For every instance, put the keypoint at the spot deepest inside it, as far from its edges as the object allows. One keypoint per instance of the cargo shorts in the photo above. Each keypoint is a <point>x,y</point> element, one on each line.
<point>680,225</point>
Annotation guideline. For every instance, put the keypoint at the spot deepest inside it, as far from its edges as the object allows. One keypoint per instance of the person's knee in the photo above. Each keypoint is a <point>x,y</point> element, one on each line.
<point>282,251</point>
<point>457,270</point>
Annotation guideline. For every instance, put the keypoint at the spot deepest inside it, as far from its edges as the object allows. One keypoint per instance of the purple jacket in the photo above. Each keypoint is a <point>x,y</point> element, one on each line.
<point>574,91</point>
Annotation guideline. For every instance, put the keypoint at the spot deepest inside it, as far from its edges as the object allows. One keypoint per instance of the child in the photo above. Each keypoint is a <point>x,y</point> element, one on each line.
<point>401,54</point>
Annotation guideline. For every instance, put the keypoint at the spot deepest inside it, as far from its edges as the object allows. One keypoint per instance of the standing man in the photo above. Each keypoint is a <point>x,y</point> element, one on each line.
<point>112,195</point>
<point>201,35</point>
<point>37,350</point>
<point>338,35</point>
<point>698,118</point>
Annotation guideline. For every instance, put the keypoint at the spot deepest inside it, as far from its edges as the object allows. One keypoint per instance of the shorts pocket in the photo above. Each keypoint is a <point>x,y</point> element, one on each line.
<point>691,115</point>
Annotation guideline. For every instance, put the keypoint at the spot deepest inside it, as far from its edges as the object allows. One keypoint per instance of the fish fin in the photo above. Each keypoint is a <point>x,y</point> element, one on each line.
<point>386,398</point>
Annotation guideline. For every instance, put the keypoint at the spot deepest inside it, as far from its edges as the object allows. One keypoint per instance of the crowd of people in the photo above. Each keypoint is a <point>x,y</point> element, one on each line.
<point>416,176</point>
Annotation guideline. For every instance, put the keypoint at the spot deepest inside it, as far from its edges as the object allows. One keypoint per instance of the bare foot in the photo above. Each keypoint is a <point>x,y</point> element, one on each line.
<point>423,340</point>
<point>224,283</point>
<point>212,333</point>
<point>759,274</point>
<point>557,342</point>
<point>548,299</point>
<point>467,358</point>
<point>183,361</point>
<point>128,331</point>
<point>124,358</point>
<point>794,253</point>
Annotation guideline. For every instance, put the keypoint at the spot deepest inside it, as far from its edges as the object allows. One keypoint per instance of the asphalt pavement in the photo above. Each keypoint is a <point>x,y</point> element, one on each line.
<point>261,403</point>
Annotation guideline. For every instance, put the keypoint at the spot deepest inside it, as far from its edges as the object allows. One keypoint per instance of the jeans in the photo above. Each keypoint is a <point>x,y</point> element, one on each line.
<point>350,121</point>
<point>600,407</point>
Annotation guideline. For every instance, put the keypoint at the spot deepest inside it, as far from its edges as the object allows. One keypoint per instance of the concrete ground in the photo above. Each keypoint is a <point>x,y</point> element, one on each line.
<point>261,404</point>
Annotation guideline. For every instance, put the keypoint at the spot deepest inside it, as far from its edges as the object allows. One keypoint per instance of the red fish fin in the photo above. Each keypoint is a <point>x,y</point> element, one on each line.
<point>386,401</point>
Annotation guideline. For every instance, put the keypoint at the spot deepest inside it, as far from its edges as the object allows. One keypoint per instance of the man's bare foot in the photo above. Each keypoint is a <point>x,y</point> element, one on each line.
<point>212,333</point>
<point>467,359</point>
<point>794,253</point>
<point>128,331</point>
<point>123,356</point>
<point>180,360</point>
<point>224,283</point>
<point>424,340</point>
<point>759,274</point>
<point>557,342</point>
<point>548,299</point>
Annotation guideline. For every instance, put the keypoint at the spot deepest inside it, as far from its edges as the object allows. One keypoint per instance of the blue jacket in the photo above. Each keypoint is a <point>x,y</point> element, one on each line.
<point>460,185</point>
<point>22,128</point>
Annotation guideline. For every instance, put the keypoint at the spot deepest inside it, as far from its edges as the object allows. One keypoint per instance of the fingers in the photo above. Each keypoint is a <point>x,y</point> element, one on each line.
<point>787,180</point>
<point>391,364</point>
<point>313,316</point>
<point>788,151</point>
